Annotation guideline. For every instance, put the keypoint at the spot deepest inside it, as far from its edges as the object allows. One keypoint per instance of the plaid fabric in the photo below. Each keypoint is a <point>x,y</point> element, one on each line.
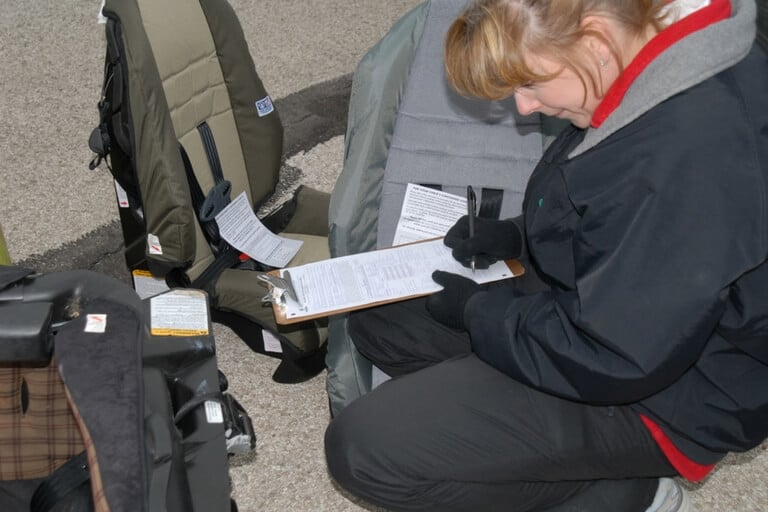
<point>35,442</point>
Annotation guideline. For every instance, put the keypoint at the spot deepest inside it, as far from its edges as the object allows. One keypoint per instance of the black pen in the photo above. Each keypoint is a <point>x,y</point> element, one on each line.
<point>471,207</point>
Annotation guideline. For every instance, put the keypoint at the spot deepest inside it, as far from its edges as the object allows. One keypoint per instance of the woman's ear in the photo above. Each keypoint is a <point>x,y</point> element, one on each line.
<point>598,49</point>
<point>597,32</point>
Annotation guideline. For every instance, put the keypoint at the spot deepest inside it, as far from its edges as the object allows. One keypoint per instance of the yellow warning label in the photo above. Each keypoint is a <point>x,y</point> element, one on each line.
<point>179,313</point>
<point>178,332</point>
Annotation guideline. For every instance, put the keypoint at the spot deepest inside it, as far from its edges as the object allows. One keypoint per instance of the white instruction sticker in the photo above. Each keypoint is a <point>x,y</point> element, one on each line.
<point>95,323</point>
<point>146,285</point>
<point>122,196</point>
<point>179,313</point>
<point>213,412</point>
<point>153,242</point>
<point>271,343</point>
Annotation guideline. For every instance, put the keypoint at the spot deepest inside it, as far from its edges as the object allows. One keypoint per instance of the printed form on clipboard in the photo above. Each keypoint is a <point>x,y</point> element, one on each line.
<point>388,275</point>
<point>369,279</point>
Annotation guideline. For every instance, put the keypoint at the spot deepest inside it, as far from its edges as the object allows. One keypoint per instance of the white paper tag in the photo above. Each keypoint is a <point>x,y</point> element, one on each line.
<point>264,106</point>
<point>122,196</point>
<point>95,323</point>
<point>240,227</point>
<point>271,343</point>
<point>153,242</point>
<point>213,412</point>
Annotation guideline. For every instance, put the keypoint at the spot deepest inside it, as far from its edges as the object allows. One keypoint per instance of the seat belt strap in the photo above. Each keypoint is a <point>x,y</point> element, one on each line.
<point>227,258</point>
<point>219,196</point>
<point>490,203</point>
<point>210,229</point>
<point>209,144</point>
<point>71,475</point>
<point>194,187</point>
<point>225,255</point>
<point>162,461</point>
<point>208,206</point>
<point>490,200</point>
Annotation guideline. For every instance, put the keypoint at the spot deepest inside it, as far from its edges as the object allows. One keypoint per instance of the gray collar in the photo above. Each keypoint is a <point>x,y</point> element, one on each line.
<point>686,63</point>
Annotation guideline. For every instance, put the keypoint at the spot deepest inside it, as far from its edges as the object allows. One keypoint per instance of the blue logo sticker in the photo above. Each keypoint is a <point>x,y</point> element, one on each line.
<point>264,106</point>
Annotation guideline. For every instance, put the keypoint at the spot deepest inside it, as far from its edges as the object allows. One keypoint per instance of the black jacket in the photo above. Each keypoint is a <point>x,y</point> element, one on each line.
<point>654,243</point>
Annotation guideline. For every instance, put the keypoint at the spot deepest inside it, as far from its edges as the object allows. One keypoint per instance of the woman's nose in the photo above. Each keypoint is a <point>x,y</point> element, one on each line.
<point>525,104</point>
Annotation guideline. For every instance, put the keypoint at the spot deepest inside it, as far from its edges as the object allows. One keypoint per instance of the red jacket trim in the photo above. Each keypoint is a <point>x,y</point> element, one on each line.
<point>688,469</point>
<point>717,10</point>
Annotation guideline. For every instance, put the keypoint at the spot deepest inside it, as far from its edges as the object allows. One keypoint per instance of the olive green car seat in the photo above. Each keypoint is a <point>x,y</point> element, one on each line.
<point>186,125</point>
<point>5,258</point>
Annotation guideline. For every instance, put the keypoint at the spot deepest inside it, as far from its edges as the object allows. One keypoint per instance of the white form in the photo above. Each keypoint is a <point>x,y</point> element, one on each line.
<point>427,213</point>
<point>240,227</point>
<point>368,278</point>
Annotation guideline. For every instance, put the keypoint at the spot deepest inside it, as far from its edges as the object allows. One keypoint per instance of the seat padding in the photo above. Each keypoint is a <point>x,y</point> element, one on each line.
<point>240,291</point>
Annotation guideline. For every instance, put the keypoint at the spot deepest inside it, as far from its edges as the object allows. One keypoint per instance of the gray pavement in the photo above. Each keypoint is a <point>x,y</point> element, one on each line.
<point>57,214</point>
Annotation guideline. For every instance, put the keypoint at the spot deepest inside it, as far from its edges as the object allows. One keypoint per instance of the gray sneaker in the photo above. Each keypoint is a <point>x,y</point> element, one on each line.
<point>670,497</point>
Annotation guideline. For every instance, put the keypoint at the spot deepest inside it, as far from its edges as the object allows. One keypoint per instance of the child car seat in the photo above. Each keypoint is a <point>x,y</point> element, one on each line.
<point>406,124</point>
<point>98,411</point>
<point>188,125</point>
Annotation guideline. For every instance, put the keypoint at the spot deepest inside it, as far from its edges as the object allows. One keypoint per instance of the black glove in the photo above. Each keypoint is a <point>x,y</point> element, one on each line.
<point>447,305</point>
<point>493,240</point>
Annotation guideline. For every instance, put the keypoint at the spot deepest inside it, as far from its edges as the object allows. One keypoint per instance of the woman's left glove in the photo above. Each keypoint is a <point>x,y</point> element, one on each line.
<point>447,305</point>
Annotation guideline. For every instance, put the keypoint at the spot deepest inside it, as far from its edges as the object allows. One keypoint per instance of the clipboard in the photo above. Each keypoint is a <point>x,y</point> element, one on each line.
<point>285,297</point>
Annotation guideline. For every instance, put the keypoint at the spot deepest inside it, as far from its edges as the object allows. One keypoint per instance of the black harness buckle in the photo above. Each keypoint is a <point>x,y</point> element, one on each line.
<point>216,200</point>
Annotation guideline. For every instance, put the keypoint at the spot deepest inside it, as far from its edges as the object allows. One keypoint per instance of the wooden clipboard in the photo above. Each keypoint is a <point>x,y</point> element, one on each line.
<point>280,310</point>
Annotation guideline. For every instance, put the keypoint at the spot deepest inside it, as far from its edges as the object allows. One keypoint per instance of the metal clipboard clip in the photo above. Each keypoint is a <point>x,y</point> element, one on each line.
<point>279,288</point>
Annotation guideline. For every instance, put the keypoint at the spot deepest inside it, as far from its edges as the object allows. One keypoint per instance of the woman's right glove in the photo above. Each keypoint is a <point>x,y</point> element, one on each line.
<point>493,240</point>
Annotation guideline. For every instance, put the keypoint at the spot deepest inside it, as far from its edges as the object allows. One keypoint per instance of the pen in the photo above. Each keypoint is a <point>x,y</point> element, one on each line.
<point>471,203</point>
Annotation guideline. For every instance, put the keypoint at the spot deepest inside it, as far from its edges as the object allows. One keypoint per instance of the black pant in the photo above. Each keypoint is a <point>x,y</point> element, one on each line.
<point>449,432</point>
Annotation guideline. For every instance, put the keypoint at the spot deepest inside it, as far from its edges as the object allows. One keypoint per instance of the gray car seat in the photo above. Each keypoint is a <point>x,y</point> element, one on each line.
<point>762,24</point>
<point>406,124</point>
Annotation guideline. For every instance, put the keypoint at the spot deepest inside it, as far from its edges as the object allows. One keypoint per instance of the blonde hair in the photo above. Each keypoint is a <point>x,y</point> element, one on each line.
<point>486,44</point>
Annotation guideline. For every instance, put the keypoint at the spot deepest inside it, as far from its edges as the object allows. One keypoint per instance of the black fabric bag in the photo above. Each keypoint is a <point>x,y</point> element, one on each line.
<point>104,408</point>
